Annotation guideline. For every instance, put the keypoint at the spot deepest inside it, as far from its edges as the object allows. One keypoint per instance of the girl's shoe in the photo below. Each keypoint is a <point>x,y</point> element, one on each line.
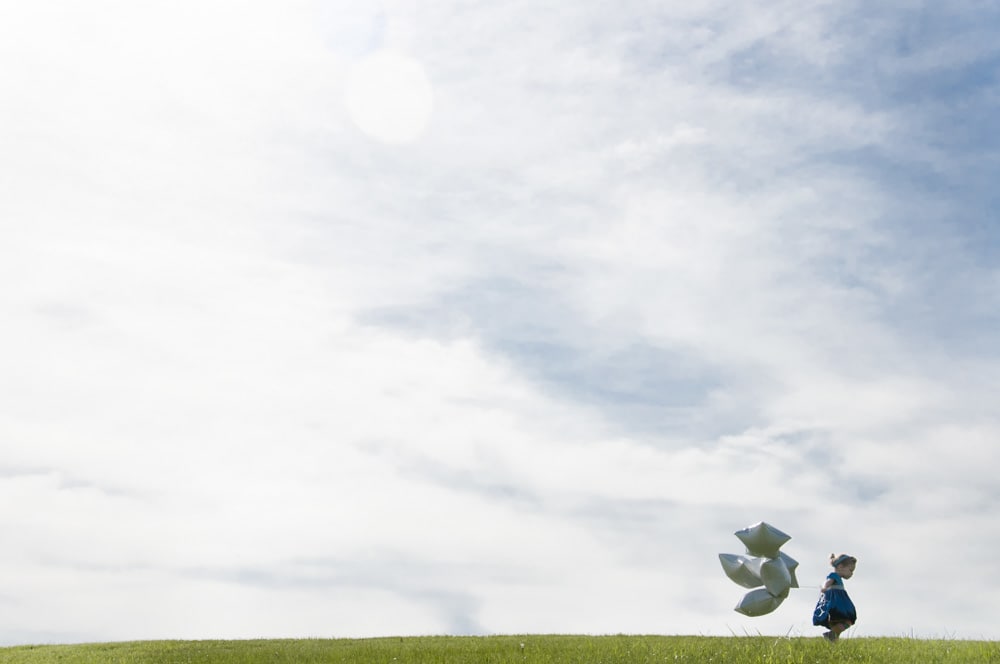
<point>830,636</point>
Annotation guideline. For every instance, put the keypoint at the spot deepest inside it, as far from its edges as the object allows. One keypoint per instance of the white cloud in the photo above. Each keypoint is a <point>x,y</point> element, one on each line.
<point>648,276</point>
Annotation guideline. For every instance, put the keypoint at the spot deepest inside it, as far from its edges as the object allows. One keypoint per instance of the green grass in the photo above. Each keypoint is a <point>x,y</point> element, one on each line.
<point>526,649</point>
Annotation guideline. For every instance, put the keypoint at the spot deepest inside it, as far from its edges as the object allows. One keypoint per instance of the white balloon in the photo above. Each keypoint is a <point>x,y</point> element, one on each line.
<point>758,602</point>
<point>775,575</point>
<point>762,539</point>
<point>737,569</point>
<point>791,564</point>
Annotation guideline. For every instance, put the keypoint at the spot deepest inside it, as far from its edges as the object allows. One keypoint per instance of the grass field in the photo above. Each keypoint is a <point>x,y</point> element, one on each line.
<point>527,649</point>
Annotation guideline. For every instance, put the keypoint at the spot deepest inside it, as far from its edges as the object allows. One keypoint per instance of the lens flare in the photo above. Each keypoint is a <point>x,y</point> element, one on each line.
<point>389,97</point>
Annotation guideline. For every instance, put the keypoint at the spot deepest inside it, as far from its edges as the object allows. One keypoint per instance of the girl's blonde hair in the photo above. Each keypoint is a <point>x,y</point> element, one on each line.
<point>841,559</point>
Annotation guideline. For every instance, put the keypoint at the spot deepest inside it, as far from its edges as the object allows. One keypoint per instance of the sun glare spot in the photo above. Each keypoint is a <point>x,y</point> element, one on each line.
<point>389,97</point>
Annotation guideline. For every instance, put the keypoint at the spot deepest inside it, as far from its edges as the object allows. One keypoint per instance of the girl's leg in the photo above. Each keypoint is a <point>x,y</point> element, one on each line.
<point>838,627</point>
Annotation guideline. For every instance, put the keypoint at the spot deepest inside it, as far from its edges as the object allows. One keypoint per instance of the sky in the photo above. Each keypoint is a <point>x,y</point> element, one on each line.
<point>350,319</point>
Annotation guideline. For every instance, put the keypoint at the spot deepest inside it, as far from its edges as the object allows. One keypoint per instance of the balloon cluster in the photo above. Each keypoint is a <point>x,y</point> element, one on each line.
<point>764,565</point>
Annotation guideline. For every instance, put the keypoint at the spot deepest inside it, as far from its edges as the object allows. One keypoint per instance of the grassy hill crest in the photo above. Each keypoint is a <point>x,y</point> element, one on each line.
<point>513,649</point>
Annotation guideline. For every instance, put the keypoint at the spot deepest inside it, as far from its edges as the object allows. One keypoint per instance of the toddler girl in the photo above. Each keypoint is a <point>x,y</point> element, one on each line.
<point>835,608</point>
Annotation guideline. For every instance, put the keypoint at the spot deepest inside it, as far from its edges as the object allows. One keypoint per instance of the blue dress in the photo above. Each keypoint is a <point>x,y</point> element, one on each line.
<point>834,604</point>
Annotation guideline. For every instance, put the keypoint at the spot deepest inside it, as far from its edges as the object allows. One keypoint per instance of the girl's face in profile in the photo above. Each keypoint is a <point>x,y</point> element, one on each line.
<point>846,570</point>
